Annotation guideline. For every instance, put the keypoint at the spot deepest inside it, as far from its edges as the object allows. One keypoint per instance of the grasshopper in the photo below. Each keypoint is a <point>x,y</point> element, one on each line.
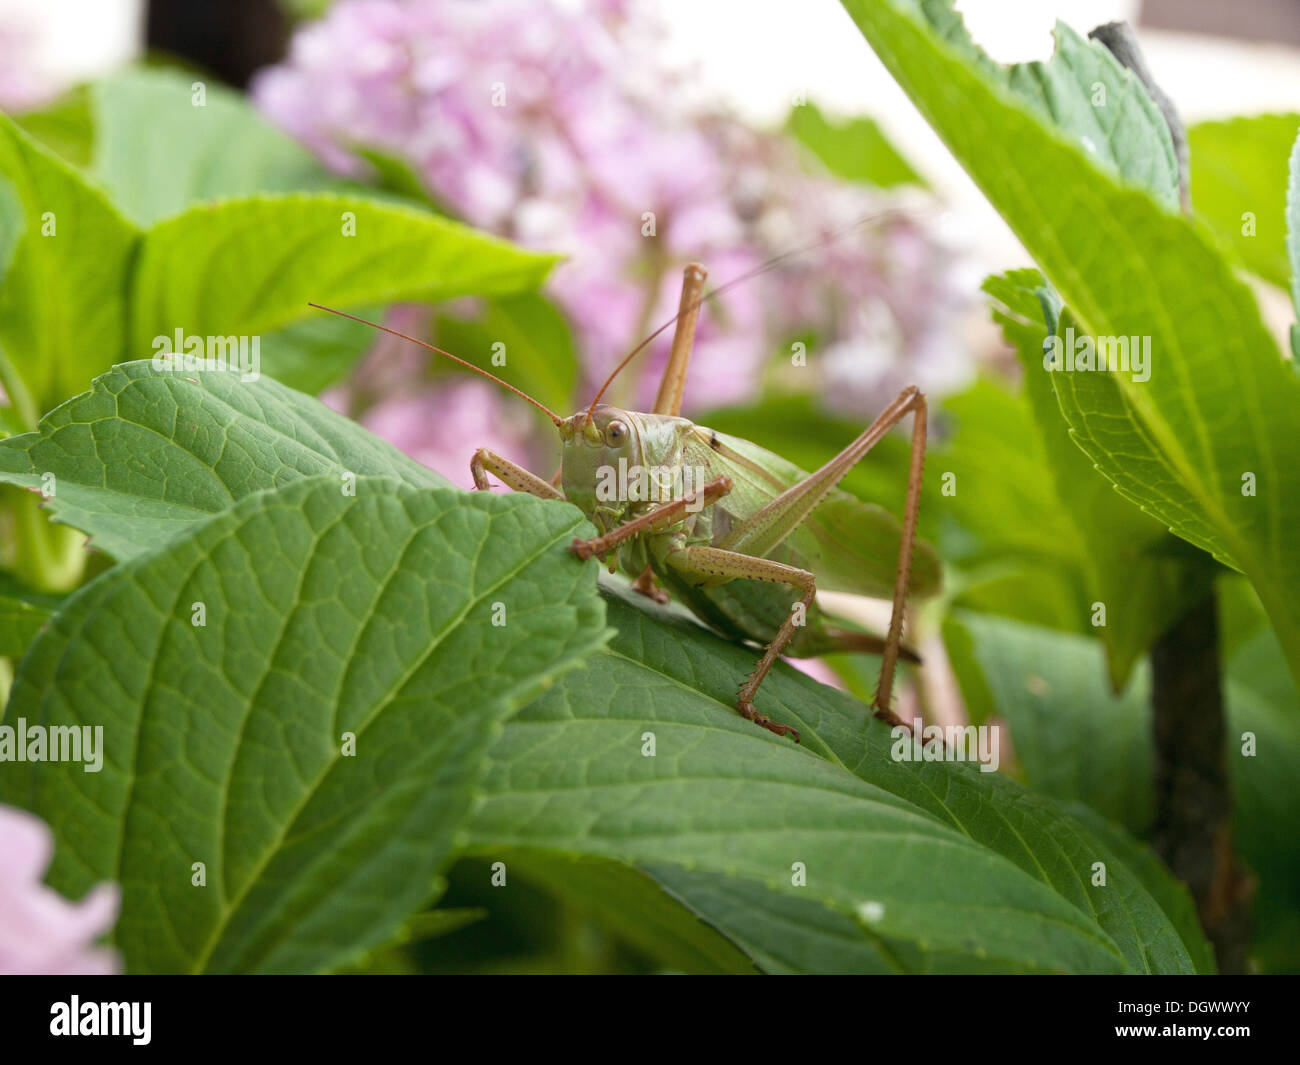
<point>732,541</point>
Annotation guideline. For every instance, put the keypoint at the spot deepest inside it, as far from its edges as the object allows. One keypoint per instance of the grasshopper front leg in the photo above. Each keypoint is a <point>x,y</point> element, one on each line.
<point>701,564</point>
<point>511,474</point>
<point>652,521</point>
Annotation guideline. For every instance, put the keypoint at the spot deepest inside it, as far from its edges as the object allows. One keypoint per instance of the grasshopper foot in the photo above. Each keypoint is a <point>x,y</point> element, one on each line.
<point>887,715</point>
<point>748,712</point>
<point>584,549</point>
<point>645,584</point>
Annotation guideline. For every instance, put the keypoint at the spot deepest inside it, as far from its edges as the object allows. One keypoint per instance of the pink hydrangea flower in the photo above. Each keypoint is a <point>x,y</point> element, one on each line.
<point>22,86</point>
<point>42,933</point>
<point>558,127</point>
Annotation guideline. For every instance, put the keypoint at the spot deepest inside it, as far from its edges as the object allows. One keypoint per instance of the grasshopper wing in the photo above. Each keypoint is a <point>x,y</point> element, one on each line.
<point>849,545</point>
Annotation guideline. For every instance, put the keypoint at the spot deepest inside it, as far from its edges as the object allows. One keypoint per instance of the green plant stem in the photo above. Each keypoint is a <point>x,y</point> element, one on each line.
<point>1193,793</point>
<point>20,397</point>
<point>48,557</point>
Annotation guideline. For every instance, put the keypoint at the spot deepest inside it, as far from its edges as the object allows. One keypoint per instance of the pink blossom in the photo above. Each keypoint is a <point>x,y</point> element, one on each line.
<point>22,85</point>
<point>42,933</point>
<point>445,422</point>
<point>558,128</point>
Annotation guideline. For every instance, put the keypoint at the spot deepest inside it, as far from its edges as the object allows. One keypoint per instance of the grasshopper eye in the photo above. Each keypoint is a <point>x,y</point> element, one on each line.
<point>615,433</point>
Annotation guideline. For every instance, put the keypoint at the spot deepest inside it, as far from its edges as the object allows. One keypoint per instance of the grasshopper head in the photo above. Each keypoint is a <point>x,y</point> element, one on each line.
<point>590,463</point>
<point>604,454</point>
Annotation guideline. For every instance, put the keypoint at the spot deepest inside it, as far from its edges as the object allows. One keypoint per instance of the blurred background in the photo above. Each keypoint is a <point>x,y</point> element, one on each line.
<point>635,138</point>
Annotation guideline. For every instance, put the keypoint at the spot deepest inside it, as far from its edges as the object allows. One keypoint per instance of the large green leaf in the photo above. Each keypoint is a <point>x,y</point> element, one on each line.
<point>1018,552</point>
<point>1075,741</point>
<point>251,265</point>
<point>1220,403</point>
<point>22,614</point>
<point>65,126</point>
<point>146,454</point>
<point>1084,92</point>
<point>1170,893</point>
<point>1262,707</point>
<point>1036,677</point>
<point>328,616</point>
<point>634,906</point>
<point>164,140</point>
<point>722,797</point>
<point>536,346</point>
<point>1132,567</point>
<point>61,308</point>
<point>1239,168</point>
<point>87,289</point>
<point>160,151</point>
<point>315,353</point>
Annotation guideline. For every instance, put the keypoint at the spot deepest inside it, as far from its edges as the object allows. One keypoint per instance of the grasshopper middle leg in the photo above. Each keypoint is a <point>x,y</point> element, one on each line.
<point>700,563</point>
<point>645,585</point>
<point>767,527</point>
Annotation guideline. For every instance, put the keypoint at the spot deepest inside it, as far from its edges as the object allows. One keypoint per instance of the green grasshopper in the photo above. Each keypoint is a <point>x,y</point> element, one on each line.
<point>732,540</point>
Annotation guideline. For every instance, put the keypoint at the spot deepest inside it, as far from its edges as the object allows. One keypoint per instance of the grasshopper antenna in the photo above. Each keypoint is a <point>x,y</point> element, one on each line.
<point>454,358</point>
<point>748,275</point>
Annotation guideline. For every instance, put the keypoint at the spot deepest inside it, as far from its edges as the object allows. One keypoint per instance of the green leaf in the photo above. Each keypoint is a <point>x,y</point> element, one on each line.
<point>1076,742</point>
<point>1169,892</point>
<point>1003,492</point>
<point>725,798</point>
<point>856,149</point>
<point>158,151</point>
<point>22,613</point>
<point>398,176</point>
<point>249,266</point>
<point>785,935</point>
<point>1131,569</point>
<point>1083,91</point>
<point>631,904</point>
<point>20,621</point>
<point>1239,167</point>
<point>1220,403</point>
<point>87,289</point>
<point>315,353</point>
<point>1103,759</point>
<point>146,454</point>
<point>540,357</point>
<point>327,616</point>
<point>62,318</point>
<point>1263,750</point>
<point>65,126</point>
